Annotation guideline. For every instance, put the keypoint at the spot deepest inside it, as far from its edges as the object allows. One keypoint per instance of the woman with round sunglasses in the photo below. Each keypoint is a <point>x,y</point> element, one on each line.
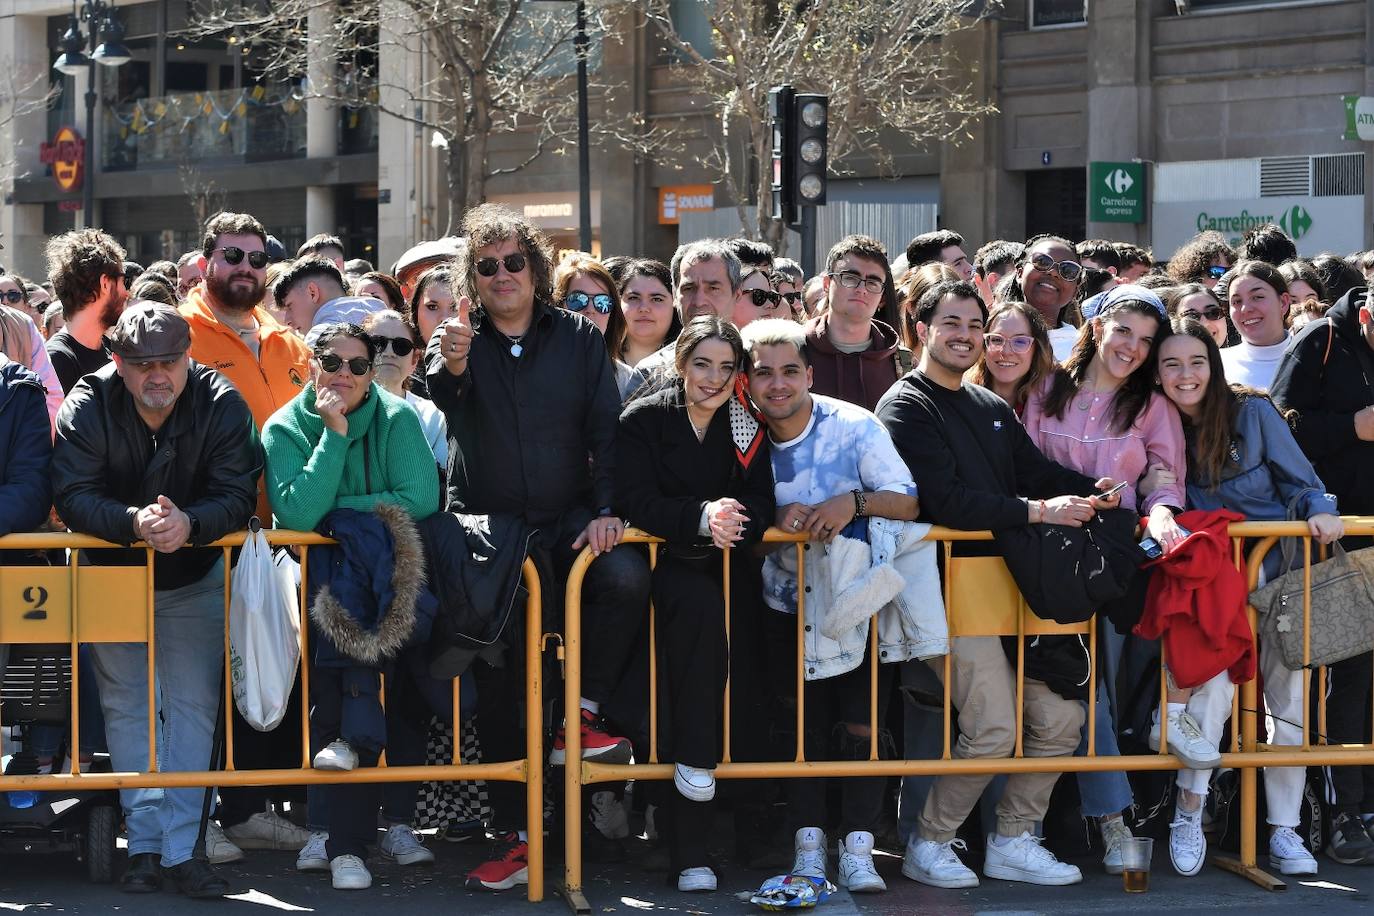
<point>397,360</point>
<point>1099,414</point>
<point>756,298</point>
<point>1047,276</point>
<point>582,284</point>
<point>345,443</point>
<point>651,320</point>
<point>1197,302</point>
<point>1016,354</point>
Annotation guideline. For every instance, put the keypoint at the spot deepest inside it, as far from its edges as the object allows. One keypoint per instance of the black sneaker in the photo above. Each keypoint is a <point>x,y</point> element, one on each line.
<point>143,874</point>
<point>1350,843</point>
<point>464,831</point>
<point>197,879</point>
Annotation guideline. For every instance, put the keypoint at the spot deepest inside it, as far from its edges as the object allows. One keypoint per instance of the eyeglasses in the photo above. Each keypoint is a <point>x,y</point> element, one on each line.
<point>762,297</point>
<point>401,346</point>
<point>851,279</point>
<point>233,255</point>
<point>1215,313</point>
<point>1216,271</point>
<point>1069,270</point>
<point>332,362</point>
<point>12,296</point>
<point>578,302</point>
<point>514,263</point>
<point>1020,343</point>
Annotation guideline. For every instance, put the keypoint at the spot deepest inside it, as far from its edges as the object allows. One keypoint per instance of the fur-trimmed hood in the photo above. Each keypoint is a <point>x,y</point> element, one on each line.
<point>369,598</point>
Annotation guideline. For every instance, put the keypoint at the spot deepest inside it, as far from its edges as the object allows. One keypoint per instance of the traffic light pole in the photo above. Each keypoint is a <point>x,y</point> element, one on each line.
<point>807,227</point>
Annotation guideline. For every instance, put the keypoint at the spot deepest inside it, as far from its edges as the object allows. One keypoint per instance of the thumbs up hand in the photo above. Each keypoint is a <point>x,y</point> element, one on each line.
<point>456,338</point>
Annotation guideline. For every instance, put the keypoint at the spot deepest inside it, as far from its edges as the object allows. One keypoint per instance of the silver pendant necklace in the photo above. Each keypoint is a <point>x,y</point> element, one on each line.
<point>515,348</point>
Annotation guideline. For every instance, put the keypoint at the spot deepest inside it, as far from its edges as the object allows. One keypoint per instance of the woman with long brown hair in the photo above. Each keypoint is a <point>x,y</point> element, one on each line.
<point>1017,357</point>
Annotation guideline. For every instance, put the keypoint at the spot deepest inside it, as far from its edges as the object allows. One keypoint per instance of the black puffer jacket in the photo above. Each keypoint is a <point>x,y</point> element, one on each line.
<point>107,466</point>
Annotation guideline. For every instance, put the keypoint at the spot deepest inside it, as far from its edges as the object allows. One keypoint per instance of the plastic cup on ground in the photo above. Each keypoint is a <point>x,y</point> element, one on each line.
<point>1136,854</point>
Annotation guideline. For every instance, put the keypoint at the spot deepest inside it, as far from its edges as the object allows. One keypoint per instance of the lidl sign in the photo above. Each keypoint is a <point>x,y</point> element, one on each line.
<point>1359,117</point>
<point>1116,192</point>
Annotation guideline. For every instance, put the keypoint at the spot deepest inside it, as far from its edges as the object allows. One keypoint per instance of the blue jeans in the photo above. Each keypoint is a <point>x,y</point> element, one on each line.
<point>189,625</point>
<point>1106,792</point>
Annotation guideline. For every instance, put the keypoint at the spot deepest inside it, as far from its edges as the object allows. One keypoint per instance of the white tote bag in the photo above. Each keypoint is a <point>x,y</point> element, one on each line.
<point>264,634</point>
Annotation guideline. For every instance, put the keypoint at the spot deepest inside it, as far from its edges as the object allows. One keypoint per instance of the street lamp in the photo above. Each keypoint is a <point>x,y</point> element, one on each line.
<point>105,38</point>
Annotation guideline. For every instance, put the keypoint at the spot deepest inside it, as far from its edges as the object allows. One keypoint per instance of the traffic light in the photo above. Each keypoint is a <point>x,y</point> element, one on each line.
<point>809,148</point>
<point>780,113</point>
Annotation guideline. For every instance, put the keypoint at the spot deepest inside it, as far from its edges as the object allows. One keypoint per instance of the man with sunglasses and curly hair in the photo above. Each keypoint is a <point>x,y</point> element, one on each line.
<point>530,399</point>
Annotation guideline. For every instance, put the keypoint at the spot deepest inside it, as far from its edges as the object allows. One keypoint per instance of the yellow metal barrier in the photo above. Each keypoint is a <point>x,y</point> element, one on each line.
<point>82,604</point>
<point>980,599</point>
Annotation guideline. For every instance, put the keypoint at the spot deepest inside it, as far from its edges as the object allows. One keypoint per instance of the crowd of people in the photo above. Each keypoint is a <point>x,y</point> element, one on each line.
<point>559,402</point>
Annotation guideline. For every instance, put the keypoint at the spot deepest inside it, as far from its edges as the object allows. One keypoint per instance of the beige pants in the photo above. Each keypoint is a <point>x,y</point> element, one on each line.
<point>984,692</point>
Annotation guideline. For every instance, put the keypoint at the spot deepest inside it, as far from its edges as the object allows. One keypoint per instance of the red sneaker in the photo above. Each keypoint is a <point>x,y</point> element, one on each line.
<point>509,868</point>
<point>597,743</point>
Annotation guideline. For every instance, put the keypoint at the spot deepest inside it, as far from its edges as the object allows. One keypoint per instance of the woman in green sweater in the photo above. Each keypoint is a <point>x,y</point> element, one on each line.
<point>345,443</point>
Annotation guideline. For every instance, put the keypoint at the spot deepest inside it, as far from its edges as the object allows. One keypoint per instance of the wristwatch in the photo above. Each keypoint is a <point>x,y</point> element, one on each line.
<point>195,527</point>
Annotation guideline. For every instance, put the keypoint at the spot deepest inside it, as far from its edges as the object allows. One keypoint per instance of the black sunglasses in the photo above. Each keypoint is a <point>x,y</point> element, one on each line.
<point>792,298</point>
<point>12,296</point>
<point>1216,271</point>
<point>332,362</point>
<point>233,255</point>
<point>1213,313</point>
<point>514,264</point>
<point>577,302</point>
<point>762,297</point>
<point>401,346</point>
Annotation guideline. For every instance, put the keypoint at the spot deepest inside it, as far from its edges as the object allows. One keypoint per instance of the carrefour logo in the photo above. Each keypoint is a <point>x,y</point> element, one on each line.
<point>1119,181</point>
<point>1296,222</point>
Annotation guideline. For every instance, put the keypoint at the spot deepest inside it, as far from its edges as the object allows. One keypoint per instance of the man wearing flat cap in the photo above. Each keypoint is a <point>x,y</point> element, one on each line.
<point>159,449</point>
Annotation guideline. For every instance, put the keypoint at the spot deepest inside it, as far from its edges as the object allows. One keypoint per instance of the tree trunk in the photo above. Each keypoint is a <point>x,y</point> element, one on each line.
<point>457,186</point>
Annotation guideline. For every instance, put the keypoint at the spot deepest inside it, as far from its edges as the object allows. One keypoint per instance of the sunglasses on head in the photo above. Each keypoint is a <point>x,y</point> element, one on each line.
<point>12,296</point>
<point>1069,270</point>
<point>1213,313</point>
<point>762,297</point>
<point>514,263</point>
<point>401,346</point>
<point>332,362</point>
<point>234,255</point>
<point>1020,343</point>
<point>1216,271</point>
<point>578,302</point>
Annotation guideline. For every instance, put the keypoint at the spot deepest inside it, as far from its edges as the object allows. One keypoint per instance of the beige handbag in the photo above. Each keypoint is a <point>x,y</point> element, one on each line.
<point>1342,619</point>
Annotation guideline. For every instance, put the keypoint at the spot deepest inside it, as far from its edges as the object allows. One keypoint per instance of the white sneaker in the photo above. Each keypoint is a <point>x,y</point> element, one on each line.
<point>695,784</point>
<point>219,848</point>
<point>1023,859</point>
<point>1187,843</point>
<point>857,871</point>
<point>403,847</point>
<point>1187,743</point>
<point>312,856</point>
<point>350,874</point>
<point>1288,855</point>
<point>267,830</point>
<point>1113,832</point>
<point>696,879</point>
<point>937,864</point>
<point>337,756</point>
<point>808,853</point>
<point>608,815</point>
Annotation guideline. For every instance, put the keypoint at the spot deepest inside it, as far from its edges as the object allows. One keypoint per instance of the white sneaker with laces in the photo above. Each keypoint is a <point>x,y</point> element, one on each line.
<point>1288,855</point>
<point>857,871</point>
<point>1022,858</point>
<point>1187,842</point>
<point>696,879</point>
<point>608,815</point>
<point>219,848</point>
<point>337,756</point>
<point>1113,832</point>
<point>350,874</point>
<point>1187,743</point>
<point>808,853</point>
<point>937,864</point>
<point>695,784</point>
<point>402,846</point>
<point>312,856</point>
<point>267,830</point>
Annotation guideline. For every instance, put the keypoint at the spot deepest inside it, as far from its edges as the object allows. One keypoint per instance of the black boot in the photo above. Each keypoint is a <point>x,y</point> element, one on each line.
<point>197,880</point>
<point>143,875</point>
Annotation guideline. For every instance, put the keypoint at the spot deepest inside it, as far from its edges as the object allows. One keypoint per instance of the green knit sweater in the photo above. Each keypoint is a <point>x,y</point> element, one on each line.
<point>312,470</point>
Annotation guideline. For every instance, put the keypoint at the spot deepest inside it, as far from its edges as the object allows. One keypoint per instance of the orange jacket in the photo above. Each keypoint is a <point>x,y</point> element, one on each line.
<point>266,383</point>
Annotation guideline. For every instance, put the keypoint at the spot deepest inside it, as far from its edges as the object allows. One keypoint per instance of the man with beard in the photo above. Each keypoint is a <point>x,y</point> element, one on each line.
<point>268,364</point>
<point>86,268</point>
<point>156,448</point>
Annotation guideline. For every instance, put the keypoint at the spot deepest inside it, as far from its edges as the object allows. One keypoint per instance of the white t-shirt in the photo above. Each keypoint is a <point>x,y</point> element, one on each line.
<point>843,448</point>
<point>1248,364</point>
<point>1062,340</point>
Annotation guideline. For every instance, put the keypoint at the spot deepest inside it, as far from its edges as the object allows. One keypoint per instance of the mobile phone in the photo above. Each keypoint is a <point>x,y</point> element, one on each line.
<point>1107,494</point>
<point>1150,547</point>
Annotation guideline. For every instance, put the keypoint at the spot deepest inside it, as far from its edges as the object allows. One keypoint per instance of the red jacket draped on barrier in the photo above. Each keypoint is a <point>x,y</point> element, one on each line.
<point>1196,604</point>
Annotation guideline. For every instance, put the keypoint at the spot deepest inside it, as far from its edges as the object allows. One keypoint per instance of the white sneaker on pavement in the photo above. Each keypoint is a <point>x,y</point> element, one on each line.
<point>219,848</point>
<point>312,856</point>
<point>1187,743</point>
<point>403,847</point>
<point>1023,858</point>
<point>350,874</point>
<point>937,864</point>
<point>695,784</point>
<point>337,756</point>
<point>1187,843</point>
<point>267,830</point>
<point>1288,855</point>
<point>1113,832</point>
<point>808,853</point>
<point>857,871</point>
<point>696,879</point>
<point>608,815</point>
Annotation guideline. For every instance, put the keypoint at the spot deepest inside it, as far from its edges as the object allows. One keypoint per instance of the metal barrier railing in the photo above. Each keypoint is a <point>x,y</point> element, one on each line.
<point>77,604</point>
<point>1006,615</point>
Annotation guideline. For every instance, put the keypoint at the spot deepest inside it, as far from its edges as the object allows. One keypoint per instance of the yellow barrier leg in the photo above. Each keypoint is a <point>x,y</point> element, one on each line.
<point>572,712</point>
<point>534,733</point>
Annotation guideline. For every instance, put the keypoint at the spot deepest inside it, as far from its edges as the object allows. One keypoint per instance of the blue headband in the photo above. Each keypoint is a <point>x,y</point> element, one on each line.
<point>1129,292</point>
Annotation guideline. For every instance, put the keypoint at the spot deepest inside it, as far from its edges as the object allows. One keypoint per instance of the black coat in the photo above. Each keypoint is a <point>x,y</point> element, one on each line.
<point>25,450</point>
<point>1327,375</point>
<point>107,466</point>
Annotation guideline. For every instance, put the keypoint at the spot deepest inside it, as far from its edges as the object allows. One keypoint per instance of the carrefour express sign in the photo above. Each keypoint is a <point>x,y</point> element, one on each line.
<point>1316,224</point>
